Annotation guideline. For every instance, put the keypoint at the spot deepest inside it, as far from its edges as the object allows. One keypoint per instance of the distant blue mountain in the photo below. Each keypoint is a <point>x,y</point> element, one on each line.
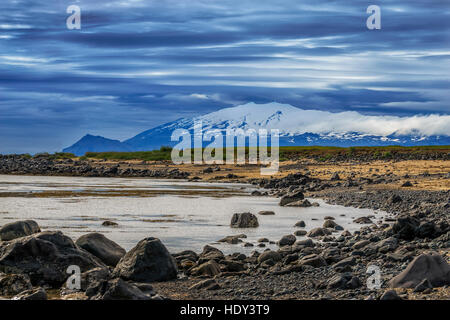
<point>96,144</point>
<point>290,121</point>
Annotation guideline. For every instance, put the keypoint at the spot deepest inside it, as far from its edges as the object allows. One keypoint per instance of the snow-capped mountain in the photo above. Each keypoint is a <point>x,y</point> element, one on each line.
<point>296,127</point>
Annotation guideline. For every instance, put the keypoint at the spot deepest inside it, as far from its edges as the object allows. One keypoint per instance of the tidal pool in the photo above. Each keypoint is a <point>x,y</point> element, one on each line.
<point>184,215</point>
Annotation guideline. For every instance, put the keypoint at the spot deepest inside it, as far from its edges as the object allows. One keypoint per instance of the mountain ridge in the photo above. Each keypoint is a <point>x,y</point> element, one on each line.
<point>297,127</point>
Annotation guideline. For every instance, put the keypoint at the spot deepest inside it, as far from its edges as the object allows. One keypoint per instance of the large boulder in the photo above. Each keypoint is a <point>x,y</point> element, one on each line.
<point>287,240</point>
<point>426,266</point>
<point>244,220</point>
<point>45,257</point>
<point>292,197</point>
<point>148,261</point>
<point>18,229</point>
<point>106,250</point>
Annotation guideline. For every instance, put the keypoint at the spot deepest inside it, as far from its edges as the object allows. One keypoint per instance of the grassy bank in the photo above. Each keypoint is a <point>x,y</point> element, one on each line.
<point>286,153</point>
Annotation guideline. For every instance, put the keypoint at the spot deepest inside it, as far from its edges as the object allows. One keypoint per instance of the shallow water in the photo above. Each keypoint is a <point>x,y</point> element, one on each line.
<point>184,215</point>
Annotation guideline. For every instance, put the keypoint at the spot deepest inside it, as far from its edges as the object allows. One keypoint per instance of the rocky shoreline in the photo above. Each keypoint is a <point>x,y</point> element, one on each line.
<point>411,254</point>
<point>44,165</point>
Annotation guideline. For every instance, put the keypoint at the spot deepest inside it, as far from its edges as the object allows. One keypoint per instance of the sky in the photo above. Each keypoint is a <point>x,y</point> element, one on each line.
<point>136,64</point>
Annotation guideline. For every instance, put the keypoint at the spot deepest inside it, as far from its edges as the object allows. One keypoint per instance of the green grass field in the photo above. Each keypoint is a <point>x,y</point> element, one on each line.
<point>286,153</point>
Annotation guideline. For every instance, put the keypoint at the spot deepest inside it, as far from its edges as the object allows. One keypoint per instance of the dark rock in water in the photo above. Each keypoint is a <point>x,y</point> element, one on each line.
<point>234,239</point>
<point>266,213</point>
<point>390,295</point>
<point>148,261</point>
<point>45,257</point>
<point>32,294</point>
<point>12,284</point>
<point>108,223</point>
<point>300,233</point>
<point>300,224</point>
<point>293,197</point>
<point>432,267</point>
<point>363,220</point>
<point>269,255</point>
<point>106,250</point>
<point>329,224</point>
<point>210,268</point>
<point>18,229</point>
<point>287,240</point>
<point>301,204</point>
<point>318,232</point>
<point>244,220</point>
<point>115,289</point>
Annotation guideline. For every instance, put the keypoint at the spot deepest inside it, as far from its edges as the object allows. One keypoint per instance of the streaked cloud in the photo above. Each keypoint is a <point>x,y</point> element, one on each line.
<point>136,64</point>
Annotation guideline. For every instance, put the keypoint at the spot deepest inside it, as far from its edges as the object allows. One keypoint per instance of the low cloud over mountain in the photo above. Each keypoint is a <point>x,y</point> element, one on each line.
<point>296,127</point>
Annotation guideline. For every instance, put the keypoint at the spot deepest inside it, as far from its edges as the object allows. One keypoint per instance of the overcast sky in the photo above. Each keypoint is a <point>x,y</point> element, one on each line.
<point>136,64</point>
